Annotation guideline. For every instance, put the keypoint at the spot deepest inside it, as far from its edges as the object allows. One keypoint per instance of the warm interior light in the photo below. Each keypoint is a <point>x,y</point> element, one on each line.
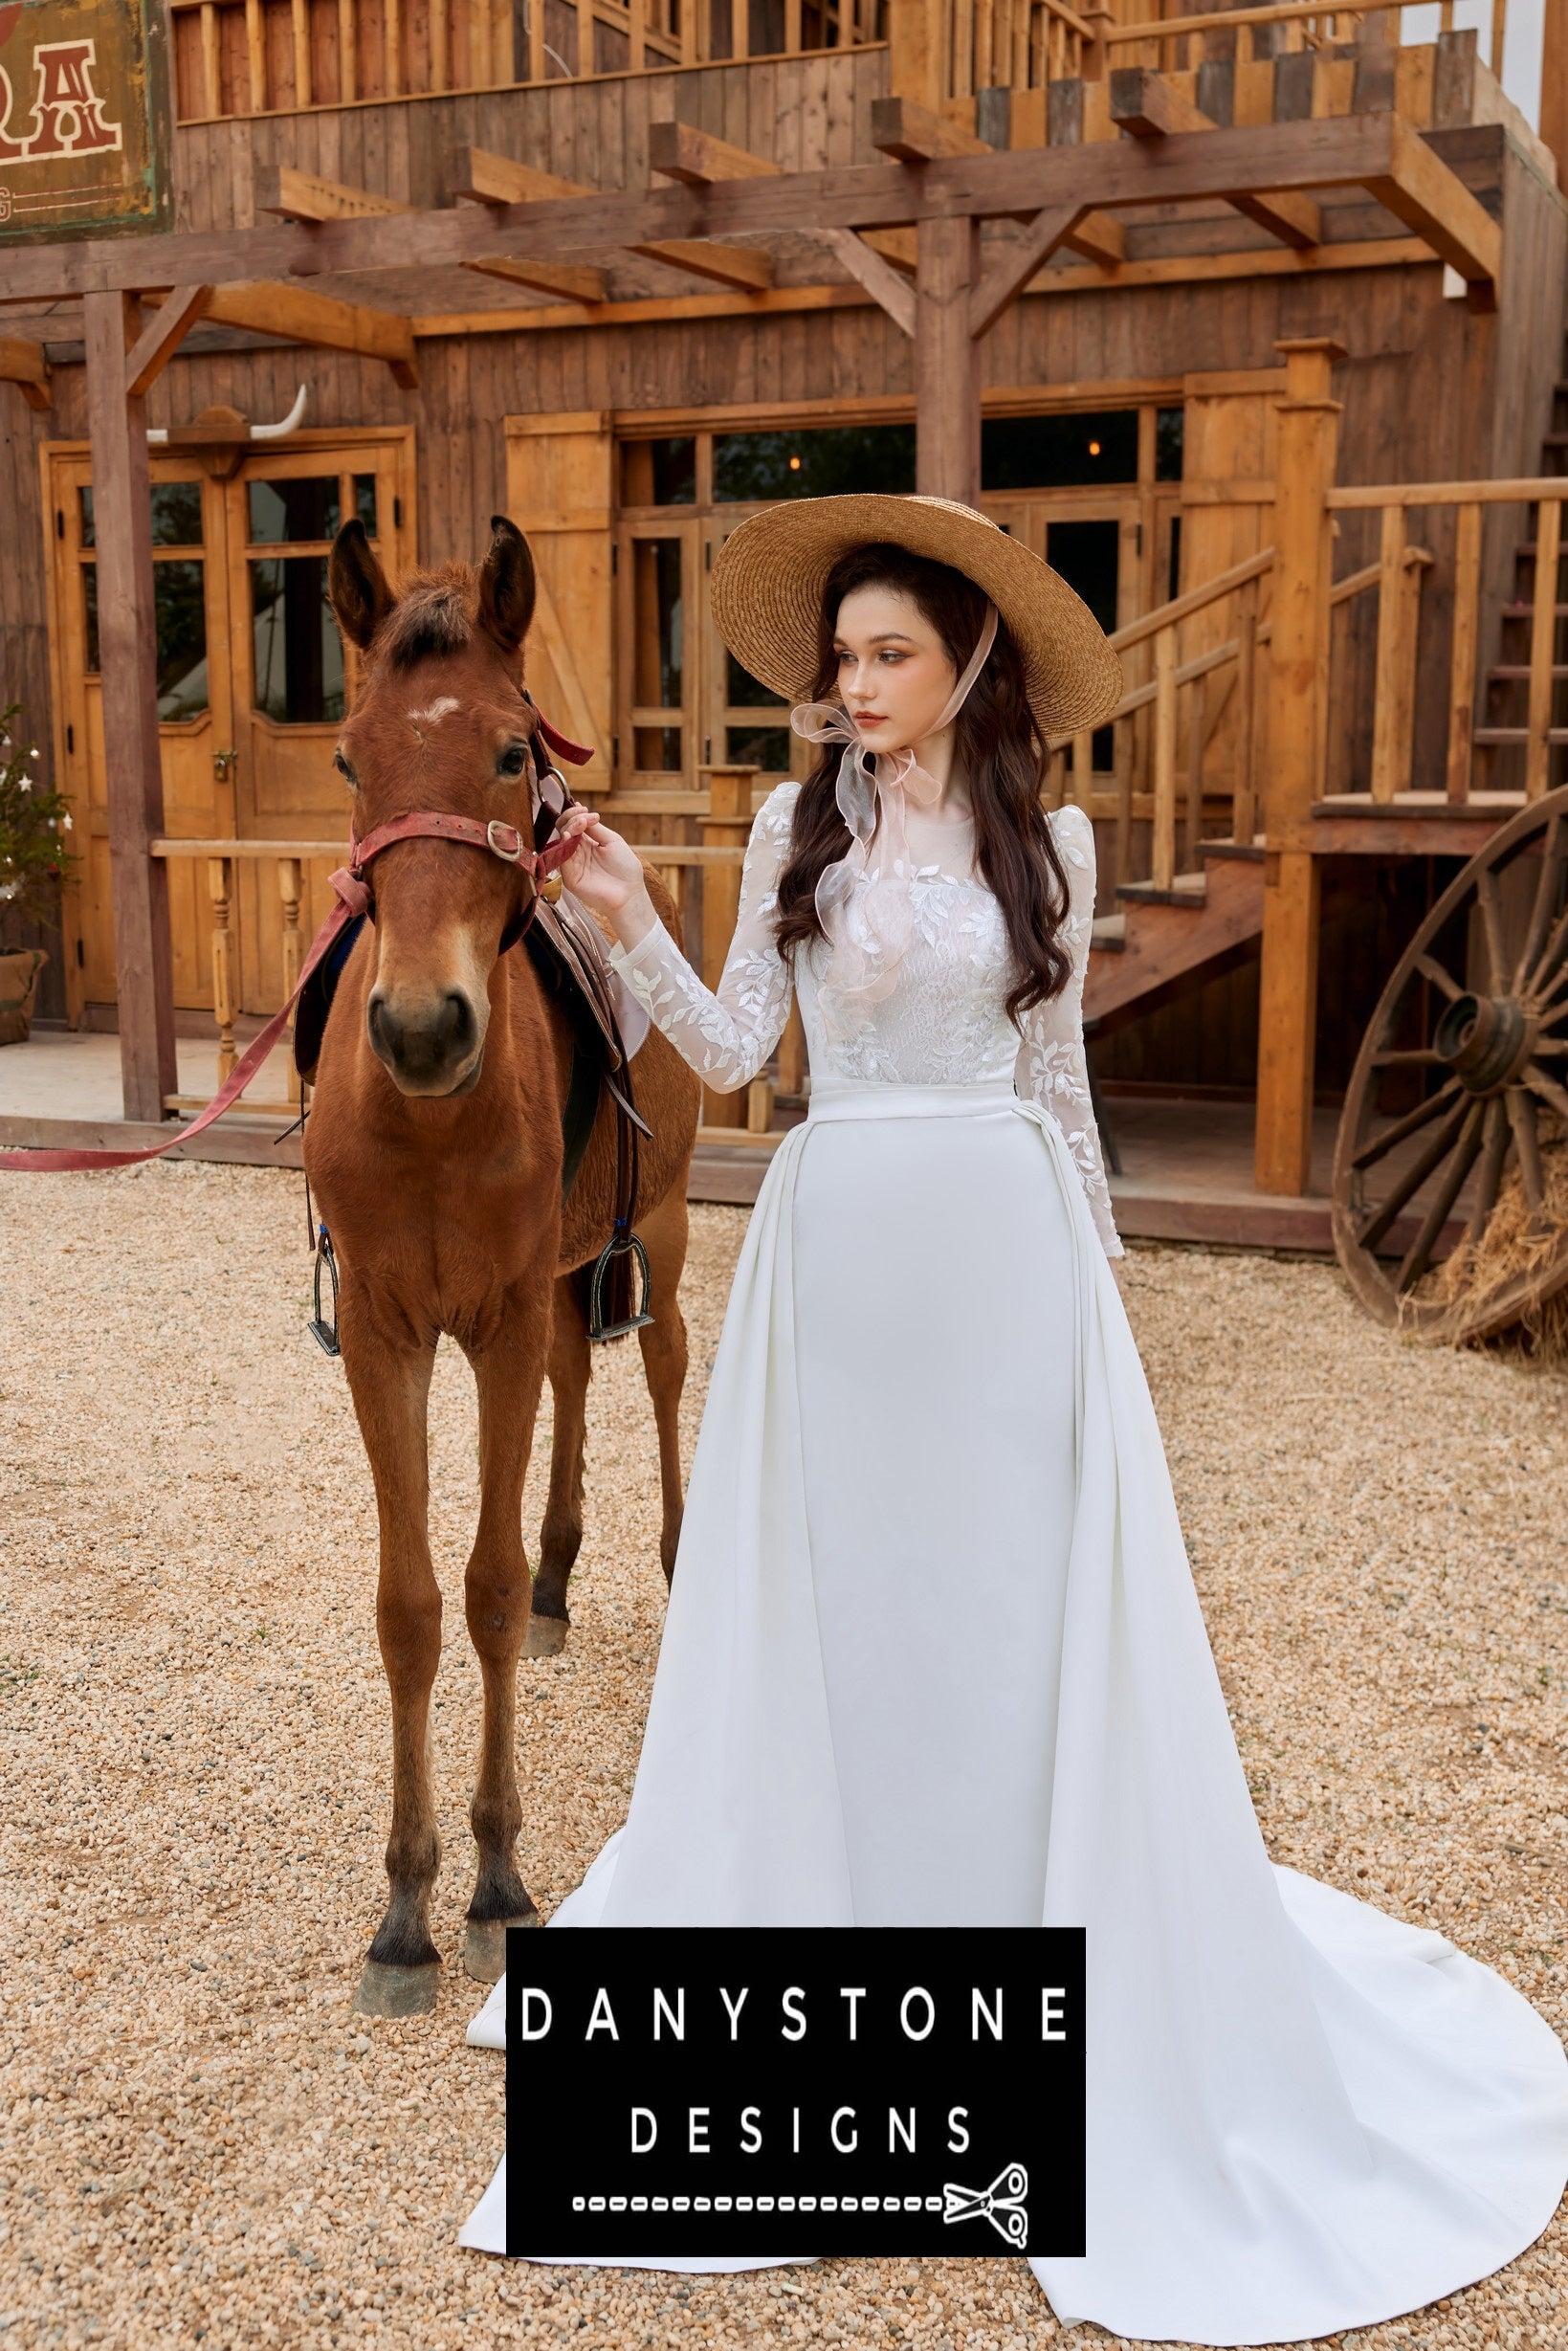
<point>794,465</point>
<point>1093,449</point>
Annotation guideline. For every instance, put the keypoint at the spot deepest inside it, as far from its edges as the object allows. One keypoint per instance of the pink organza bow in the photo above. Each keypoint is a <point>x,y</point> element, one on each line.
<point>869,929</point>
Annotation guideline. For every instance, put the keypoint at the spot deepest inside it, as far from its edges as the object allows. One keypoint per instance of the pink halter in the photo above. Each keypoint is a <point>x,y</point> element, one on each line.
<point>868,930</point>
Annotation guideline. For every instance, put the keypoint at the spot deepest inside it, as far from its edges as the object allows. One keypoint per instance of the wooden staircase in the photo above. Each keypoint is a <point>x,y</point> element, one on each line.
<point>1506,694</point>
<point>1164,941</point>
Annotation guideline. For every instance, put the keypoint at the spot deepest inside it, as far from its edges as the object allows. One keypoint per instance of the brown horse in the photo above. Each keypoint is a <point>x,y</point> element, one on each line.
<point>434,1147</point>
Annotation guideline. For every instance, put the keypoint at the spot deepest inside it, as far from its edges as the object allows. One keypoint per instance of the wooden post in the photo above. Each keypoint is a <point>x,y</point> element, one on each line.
<point>1287,1008</point>
<point>1162,856</point>
<point>222,970</point>
<point>917,63</point>
<point>1386,710</point>
<point>349,63</point>
<point>288,890</point>
<point>128,666</point>
<point>946,361</point>
<point>1243,800</point>
<point>1197,736</point>
<point>728,826</point>
<point>1554,87</point>
<point>1467,616</point>
<point>1538,757</point>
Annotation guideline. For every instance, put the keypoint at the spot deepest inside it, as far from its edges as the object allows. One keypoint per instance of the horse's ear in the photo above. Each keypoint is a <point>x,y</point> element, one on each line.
<point>357,585</point>
<point>506,585</point>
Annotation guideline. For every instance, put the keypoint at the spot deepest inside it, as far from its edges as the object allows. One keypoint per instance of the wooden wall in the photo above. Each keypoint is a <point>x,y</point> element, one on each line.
<point>1428,389</point>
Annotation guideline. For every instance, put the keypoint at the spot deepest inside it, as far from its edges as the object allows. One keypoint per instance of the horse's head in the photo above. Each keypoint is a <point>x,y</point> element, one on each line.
<point>441,723</point>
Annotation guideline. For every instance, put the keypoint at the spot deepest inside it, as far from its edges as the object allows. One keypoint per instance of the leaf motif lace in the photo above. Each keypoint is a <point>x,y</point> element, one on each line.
<point>945,1023</point>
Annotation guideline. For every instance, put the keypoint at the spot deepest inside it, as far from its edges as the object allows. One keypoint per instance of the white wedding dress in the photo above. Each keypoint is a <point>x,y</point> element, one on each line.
<point>933,1655</point>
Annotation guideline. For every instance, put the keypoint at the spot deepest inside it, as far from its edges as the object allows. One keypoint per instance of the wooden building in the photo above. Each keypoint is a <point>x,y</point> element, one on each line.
<point>1187,299</point>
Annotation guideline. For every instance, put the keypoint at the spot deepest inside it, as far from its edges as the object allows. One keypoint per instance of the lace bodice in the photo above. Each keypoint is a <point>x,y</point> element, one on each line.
<point>945,1022</point>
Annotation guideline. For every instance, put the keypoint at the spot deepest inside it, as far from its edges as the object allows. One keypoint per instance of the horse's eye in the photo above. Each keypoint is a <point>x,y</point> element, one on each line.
<point>345,772</point>
<point>513,759</point>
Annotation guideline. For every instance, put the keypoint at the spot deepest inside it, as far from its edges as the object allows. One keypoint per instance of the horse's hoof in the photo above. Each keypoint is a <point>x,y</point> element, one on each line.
<point>484,1946</point>
<point>546,1635</point>
<point>396,1992</point>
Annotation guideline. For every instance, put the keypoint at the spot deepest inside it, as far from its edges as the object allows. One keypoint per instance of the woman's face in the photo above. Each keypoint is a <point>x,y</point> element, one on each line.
<point>893,672</point>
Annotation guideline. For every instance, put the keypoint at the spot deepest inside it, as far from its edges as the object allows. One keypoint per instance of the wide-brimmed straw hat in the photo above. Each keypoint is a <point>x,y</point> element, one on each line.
<point>769,576</point>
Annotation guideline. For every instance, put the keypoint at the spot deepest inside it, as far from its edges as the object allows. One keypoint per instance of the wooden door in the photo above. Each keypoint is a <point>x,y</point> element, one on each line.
<point>194,702</point>
<point>293,679</point>
<point>560,493</point>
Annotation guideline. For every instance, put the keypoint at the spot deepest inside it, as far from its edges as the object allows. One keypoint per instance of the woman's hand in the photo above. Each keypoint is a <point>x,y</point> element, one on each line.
<point>607,874</point>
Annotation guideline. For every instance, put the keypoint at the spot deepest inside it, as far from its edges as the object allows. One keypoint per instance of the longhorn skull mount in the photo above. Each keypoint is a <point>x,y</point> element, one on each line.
<point>221,437</point>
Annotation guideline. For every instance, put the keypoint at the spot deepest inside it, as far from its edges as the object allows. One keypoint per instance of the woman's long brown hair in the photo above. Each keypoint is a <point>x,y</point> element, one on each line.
<point>997,750</point>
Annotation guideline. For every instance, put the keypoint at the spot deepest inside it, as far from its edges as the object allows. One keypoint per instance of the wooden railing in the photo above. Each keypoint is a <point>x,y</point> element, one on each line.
<point>261,56</point>
<point>1179,43</point>
<point>1524,749</point>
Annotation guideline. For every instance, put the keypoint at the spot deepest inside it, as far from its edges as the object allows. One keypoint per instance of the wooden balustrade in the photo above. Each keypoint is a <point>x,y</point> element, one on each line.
<point>261,56</point>
<point>1180,42</point>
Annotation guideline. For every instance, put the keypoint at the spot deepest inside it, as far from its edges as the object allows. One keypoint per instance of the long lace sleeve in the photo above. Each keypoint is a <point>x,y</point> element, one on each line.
<point>1052,1068</point>
<point>727,1036</point>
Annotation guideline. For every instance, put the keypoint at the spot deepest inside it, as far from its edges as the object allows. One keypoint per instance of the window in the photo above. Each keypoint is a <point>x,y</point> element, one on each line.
<point>752,468</point>
<point>179,597</point>
<point>1088,555</point>
<point>660,473</point>
<point>299,679</point>
<point>659,651</point>
<point>1169,429</point>
<point>1058,452</point>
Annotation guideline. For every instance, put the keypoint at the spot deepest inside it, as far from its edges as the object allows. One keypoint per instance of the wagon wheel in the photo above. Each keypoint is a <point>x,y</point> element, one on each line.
<point>1471,1037</point>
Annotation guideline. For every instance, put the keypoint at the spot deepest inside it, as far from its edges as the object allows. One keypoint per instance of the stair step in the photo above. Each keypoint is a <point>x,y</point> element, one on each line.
<point>1521,669</point>
<point>1110,934</point>
<point>1187,890</point>
<point>1527,611</point>
<point>1517,734</point>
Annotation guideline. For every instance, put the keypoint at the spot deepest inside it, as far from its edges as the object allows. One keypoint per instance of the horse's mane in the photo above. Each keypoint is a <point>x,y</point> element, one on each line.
<point>433,615</point>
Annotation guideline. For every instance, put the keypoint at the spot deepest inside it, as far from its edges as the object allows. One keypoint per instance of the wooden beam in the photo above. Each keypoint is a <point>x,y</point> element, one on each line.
<point>128,670</point>
<point>913,135</point>
<point>1098,237</point>
<point>162,337</point>
<point>22,363</point>
<point>302,196</point>
<point>494,180</point>
<point>677,151</point>
<point>660,309</point>
<point>1148,105</point>
<point>319,319</point>
<point>1421,190</point>
<point>1007,276</point>
<point>880,279</point>
<point>575,281</point>
<point>1371,151</point>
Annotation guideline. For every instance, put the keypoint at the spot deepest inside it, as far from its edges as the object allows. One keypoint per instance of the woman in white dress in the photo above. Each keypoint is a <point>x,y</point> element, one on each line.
<point>933,1654</point>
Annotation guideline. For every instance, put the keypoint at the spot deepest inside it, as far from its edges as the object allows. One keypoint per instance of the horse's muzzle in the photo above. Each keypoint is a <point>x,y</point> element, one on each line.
<point>430,1043</point>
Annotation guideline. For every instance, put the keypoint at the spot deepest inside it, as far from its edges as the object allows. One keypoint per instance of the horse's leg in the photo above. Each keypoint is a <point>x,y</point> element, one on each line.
<point>663,1342</point>
<point>561,1537</point>
<point>510,1374</point>
<point>390,1387</point>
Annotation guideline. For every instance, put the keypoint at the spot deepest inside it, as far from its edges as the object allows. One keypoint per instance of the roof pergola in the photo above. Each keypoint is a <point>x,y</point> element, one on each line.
<point>937,182</point>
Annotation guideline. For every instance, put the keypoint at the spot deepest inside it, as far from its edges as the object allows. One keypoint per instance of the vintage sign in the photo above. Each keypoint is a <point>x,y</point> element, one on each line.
<point>84,119</point>
<point>795,2092</point>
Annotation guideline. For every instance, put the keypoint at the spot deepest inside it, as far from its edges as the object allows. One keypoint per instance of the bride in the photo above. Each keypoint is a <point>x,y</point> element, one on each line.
<point>933,1654</point>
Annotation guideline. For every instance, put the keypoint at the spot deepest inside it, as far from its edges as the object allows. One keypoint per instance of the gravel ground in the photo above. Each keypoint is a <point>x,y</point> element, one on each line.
<point>199,2144</point>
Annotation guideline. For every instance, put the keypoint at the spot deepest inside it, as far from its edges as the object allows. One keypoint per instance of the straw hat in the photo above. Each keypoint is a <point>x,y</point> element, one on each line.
<point>769,575</point>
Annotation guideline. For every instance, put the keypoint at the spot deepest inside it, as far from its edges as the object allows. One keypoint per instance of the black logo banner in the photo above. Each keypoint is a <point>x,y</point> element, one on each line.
<point>745,2092</point>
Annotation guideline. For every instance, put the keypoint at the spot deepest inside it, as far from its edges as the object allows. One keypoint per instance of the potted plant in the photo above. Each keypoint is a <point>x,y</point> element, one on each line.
<point>33,863</point>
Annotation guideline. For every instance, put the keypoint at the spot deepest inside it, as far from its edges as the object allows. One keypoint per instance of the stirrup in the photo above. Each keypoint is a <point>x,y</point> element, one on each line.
<point>325,1339</point>
<point>622,1244</point>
